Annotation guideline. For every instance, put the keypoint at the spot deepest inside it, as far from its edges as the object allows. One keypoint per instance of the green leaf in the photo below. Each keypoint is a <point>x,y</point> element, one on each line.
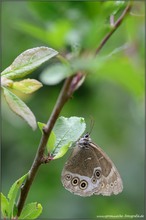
<point>4,206</point>
<point>62,151</point>
<point>67,131</point>
<point>52,138</point>
<point>112,7</point>
<point>27,85</point>
<point>6,82</point>
<point>51,142</point>
<point>13,193</point>
<point>15,210</point>
<point>28,61</point>
<point>20,108</point>
<point>41,125</point>
<point>31,211</point>
<point>55,74</point>
<point>87,64</point>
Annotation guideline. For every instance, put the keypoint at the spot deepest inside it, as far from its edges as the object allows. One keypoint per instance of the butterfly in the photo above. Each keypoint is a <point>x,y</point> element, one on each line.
<point>90,171</point>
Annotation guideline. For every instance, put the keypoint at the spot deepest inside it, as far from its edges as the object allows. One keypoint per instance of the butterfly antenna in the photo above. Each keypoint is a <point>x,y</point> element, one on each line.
<point>91,124</point>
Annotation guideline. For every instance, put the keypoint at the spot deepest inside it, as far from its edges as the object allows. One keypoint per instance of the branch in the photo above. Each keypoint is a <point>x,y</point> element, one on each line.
<point>115,26</point>
<point>65,94</point>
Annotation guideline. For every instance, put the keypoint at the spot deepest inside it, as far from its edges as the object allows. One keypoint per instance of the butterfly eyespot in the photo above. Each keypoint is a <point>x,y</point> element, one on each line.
<point>94,180</point>
<point>115,182</point>
<point>111,184</point>
<point>68,177</point>
<point>102,185</point>
<point>75,181</point>
<point>83,184</point>
<point>98,173</point>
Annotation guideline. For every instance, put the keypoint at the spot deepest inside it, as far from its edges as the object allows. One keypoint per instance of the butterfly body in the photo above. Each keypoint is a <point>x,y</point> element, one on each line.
<point>90,171</point>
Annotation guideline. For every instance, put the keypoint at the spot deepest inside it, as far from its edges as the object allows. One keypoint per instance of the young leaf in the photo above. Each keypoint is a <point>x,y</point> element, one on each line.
<point>20,108</point>
<point>41,125</point>
<point>6,82</point>
<point>13,193</point>
<point>51,142</point>
<point>62,151</point>
<point>52,138</point>
<point>67,130</point>
<point>4,206</point>
<point>15,210</point>
<point>55,74</point>
<point>31,211</point>
<point>27,85</point>
<point>28,61</point>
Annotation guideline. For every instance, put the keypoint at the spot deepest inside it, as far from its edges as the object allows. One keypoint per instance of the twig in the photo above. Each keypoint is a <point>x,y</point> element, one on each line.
<point>114,28</point>
<point>63,97</point>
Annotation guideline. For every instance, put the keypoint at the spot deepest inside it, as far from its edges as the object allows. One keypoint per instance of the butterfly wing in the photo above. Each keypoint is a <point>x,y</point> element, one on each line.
<point>110,182</point>
<point>78,170</point>
<point>89,171</point>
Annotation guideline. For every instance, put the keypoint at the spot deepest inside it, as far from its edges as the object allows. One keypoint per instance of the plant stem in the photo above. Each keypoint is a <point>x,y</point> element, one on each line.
<point>65,94</point>
<point>114,28</point>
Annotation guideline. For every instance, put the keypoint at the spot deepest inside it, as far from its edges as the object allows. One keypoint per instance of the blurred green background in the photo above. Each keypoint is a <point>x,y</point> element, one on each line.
<point>112,96</point>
